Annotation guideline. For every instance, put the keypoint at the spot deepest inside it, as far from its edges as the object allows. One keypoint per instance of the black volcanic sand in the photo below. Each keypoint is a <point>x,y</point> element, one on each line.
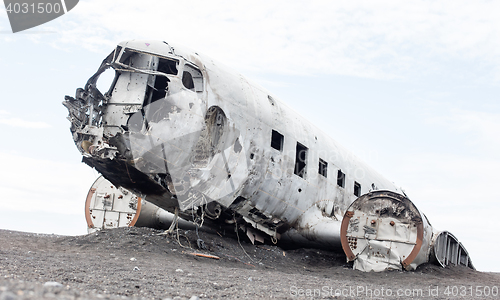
<point>137,263</point>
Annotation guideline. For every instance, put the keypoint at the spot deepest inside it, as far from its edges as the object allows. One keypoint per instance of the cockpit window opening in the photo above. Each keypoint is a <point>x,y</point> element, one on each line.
<point>105,78</point>
<point>192,78</point>
<point>106,81</point>
<point>125,57</point>
<point>187,80</point>
<point>165,65</point>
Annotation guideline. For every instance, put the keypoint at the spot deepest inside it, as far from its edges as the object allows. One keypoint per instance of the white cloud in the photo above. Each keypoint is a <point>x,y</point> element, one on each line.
<point>4,22</point>
<point>359,38</point>
<point>458,177</point>
<point>456,193</point>
<point>17,122</point>
<point>482,127</point>
<point>31,184</point>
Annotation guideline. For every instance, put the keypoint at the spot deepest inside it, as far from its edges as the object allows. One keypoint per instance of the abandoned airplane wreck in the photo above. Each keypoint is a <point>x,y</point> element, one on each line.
<point>178,132</point>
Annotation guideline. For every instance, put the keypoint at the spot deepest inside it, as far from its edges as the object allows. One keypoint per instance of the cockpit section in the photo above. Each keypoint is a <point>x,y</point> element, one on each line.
<point>139,116</point>
<point>129,98</point>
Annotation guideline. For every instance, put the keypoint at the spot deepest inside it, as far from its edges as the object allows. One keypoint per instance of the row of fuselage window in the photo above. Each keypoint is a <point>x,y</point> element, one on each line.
<point>277,140</point>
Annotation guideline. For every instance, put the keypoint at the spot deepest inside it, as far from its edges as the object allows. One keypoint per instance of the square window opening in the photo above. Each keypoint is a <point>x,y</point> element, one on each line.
<point>300,160</point>
<point>340,179</point>
<point>323,166</point>
<point>357,189</point>
<point>277,140</point>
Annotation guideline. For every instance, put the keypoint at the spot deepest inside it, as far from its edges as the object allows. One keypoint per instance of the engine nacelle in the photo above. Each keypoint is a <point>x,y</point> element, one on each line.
<point>384,230</point>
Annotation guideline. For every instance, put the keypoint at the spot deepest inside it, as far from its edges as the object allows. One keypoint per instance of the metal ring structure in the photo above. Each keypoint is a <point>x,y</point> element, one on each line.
<point>382,207</point>
<point>99,181</point>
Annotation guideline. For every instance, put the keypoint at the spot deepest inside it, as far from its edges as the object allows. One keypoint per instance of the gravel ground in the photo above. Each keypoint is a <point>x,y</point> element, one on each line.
<point>138,263</point>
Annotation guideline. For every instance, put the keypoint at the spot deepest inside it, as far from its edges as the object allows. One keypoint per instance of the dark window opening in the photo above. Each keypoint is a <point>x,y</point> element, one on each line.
<point>192,78</point>
<point>340,179</point>
<point>167,66</point>
<point>161,82</point>
<point>160,88</point>
<point>277,140</point>
<point>357,189</point>
<point>300,160</point>
<point>323,166</point>
<point>187,80</point>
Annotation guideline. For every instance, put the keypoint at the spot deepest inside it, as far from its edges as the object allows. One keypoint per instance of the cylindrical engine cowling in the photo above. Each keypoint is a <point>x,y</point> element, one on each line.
<point>109,207</point>
<point>383,230</point>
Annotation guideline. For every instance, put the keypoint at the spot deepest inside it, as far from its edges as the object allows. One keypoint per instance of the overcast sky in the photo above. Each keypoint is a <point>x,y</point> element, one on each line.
<point>411,87</point>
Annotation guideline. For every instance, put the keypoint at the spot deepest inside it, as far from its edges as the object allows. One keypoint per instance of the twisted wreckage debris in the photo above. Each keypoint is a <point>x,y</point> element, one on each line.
<point>199,140</point>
